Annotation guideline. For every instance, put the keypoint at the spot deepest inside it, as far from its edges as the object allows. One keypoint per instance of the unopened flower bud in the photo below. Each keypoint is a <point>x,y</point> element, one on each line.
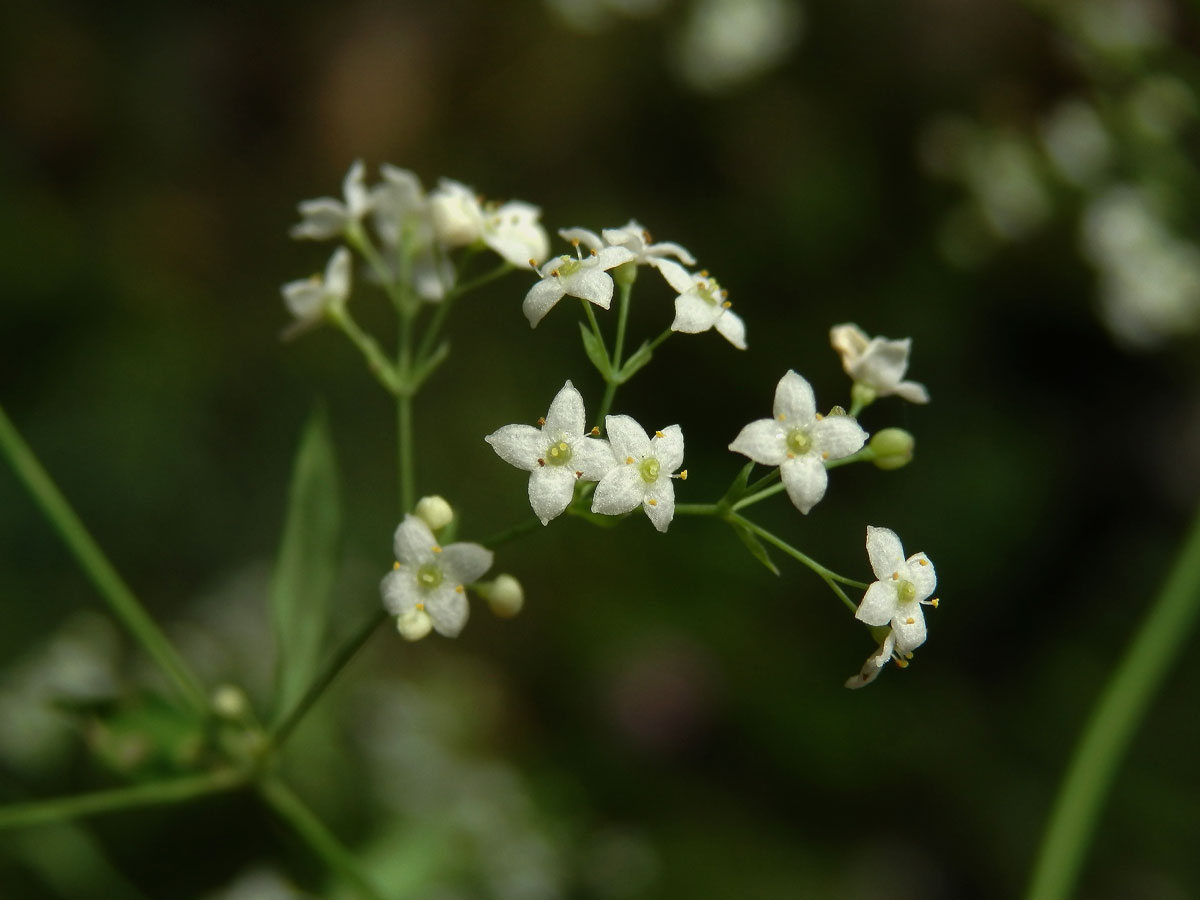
<point>893,448</point>
<point>435,512</point>
<point>862,395</point>
<point>414,624</point>
<point>505,596</point>
<point>625,274</point>
<point>229,702</point>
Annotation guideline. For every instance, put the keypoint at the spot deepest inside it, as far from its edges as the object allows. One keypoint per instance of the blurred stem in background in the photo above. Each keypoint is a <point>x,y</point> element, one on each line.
<point>1113,722</point>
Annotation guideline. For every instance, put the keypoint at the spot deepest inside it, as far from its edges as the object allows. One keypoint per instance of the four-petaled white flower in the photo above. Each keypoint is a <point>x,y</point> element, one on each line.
<point>310,298</point>
<point>702,304</point>
<point>643,471</point>
<point>556,455</point>
<point>427,584</point>
<point>876,363</point>
<point>326,217</point>
<point>904,585</point>
<point>800,441</point>
<point>634,238</point>
<point>510,229</point>
<point>584,277</point>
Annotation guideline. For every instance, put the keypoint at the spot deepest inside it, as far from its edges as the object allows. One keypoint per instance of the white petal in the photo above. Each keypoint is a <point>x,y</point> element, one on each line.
<point>662,510</point>
<point>837,436</point>
<point>565,418</point>
<point>337,275</point>
<point>465,562</point>
<point>591,285</point>
<point>627,437</point>
<point>668,449</point>
<point>874,664</point>
<point>908,624</point>
<point>912,391</point>
<point>885,552</point>
<point>676,275</point>
<point>541,299</point>
<point>305,298</point>
<point>589,239</point>
<point>805,479</point>
<point>518,445</point>
<point>763,440</point>
<point>731,327</point>
<point>849,341</point>
<point>322,218</point>
<point>693,315</point>
<point>550,491</point>
<point>655,251</point>
<point>619,491</point>
<point>882,365</point>
<point>922,575</point>
<point>611,257</point>
<point>447,608</point>
<point>794,400</point>
<point>878,604</point>
<point>413,542</point>
<point>399,590</point>
<point>593,457</point>
<point>358,200</point>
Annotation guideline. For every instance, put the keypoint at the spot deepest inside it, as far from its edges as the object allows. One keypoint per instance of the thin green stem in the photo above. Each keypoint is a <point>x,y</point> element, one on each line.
<point>1156,648</point>
<point>758,495</point>
<point>61,809</point>
<point>697,509</point>
<point>606,402</point>
<point>391,282</point>
<point>866,454</point>
<point>508,534</point>
<point>486,278</point>
<point>377,362</point>
<point>429,338</point>
<point>404,435</point>
<point>770,478</point>
<point>622,318</point>
<point>591,317</point>
<point>91,559</point>
<point>654,344</point>
<point>317,835</point>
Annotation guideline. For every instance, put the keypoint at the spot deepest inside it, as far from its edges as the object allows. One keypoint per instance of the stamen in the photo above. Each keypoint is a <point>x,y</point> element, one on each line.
<point>646,237</point>
<point>895,576</point>
<point>819,417</point>
<point>781,417</point>
<point>659,434</point>
<point>594,253</point>
<point>933,602</point>
<point>595,432</point>
<point>578,474</point>
<point>704,273</point>
<point>458,589</point>
<point>824,456</point>
<point>922,562</point>
<point>533,263</point>
<point>554,273</point>
<point>541,462</point>
<point>902,663</point>
<point>910,621</point>
<point>726,304</point>
<point>420,607</point>
<point>652,501</point>
<point>629,460</point>
<point>683,475</point>
<point>395,565</point>
<point>541,421</point>
<point>437,549</point>
<point>791,455</point>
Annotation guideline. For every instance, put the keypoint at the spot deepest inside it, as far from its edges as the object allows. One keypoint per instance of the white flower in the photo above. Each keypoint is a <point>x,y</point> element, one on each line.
<point>430,579</point>
<point>875,663</point>
<point>556,455</point>
<point>309,298</point>
<point>401,213</point>
<point>434,511</point>
<point>643,472</point>
<point>896,598</point>
<point>876,363</point>
<point>800,440</point>
<point>326,217</point>
<point>511,229</point>
<point>634,238</point>
<point>585,277</point>
<point>702,304</point>
<point>457,213</point>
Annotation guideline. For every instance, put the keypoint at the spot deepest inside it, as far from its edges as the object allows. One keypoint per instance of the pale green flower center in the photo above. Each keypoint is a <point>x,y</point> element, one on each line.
<point>429,576</point>
<point>559,454</point>
<point>906,592</point>
<point>649,470</point>
<point>710,292</point>
<point>798,441</point>
<point>568,266</point>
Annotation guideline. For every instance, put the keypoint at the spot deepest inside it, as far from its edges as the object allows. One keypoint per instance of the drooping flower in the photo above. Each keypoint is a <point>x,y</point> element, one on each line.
<point>643,473</point>
<point>585,277</point>
<point>326,217</point>
<point>556,455</point>
<point>427,586</point>
<point>876,364</point>
<point>308,299</point>
<point>903,586</point>
<point>702,304</point>
<point>875,663</point>
<point>800,441</point>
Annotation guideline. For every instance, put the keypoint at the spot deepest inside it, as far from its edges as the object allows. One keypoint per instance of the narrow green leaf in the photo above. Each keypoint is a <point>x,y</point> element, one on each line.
<point>757,550</point>
<point>595,351</point>
<point>640,357</point>
<point>737,490</point>
<point>307,563</point>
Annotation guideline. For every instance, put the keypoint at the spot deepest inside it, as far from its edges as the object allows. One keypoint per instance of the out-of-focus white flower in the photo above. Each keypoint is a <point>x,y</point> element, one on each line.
<point>504,596</point>
<point>643,473</point>
<point>702,304</point>
<point>1001,171</point>
<point>556,455</point>
<point>434,511</point>
<point>904,585</point>
<point>403,220</point>
<point>457,213</point>
<point>1077,143</point>
<point>326,217</point>
<point>876,363</point>
<point>584,277</point>
<point>800,441</point>
<point>310,298</point>
<point>633,237</point>
<point>724,43</point>
<point>510,229</point>
<point>430,579</point>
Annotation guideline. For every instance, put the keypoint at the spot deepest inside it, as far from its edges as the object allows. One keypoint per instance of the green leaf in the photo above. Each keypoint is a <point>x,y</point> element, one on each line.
<point>640,357</point>
<point>737,490</point>
<point>304,572</point>
<point>757,550</point>
<point>595,351</point>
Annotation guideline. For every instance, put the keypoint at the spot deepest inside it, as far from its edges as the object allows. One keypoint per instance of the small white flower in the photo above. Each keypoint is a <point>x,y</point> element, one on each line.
<point>457,214</point>
<point>556,455</point>
<point>800,440</point>
<point>585,277</point>
<point>429,579</point>
<point>401,213</point>
<point>702,304</point>
<point>645,467</point>
<point>309,298</point>
<point>505,596</point>
<point>896,598</point>
<point>634,238</point>
<point>326,217</point>
<point>511,229</point>
<point>434,511</point>
<point>876,363</point>
<point>875,663</point>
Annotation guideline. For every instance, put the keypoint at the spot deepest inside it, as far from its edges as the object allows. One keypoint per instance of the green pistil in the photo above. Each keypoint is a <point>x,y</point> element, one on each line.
<point>429,576</point>
<point>906,592</point>
<point>798,441</point>
<point>568,266</point>
<point>559,454</point>
<point>649,470</point>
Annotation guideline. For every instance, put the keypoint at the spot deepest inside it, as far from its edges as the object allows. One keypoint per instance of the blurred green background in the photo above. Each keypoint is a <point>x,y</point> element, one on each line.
<point>665,718</point>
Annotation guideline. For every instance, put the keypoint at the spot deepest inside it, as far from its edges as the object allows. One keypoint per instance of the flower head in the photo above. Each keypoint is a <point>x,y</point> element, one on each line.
<point>585,277</point>
<point>702,304</point>
<point>401,214</point>
<point>800,441</point>
<point>876,363</point>
<point>556,455</point>
<point>643,472</point>
<point>310,298</point>
<point>903,587</point>
<point>511,229</point>
<point>426,587</point>
<point>326,217</point>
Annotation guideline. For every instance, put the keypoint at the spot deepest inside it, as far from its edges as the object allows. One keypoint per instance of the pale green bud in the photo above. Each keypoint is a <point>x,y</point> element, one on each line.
<point>624,274</point>
<point>505,596</point>
<point>414,624</point>
<point>229,702</point>
<point>435,512</point>
<point>893,448</point>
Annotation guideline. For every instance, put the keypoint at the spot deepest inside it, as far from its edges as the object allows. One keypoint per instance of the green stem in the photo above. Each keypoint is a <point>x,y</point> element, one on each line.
<point>486,278</point>
<point>758,495</point>
<point>377,363</point>
<point>97,567</point>
<point>508,534</point>
<point>610,393</point>
<point>770,478</point>
<point>697,509</point>
<point>319,838</point>
<point>392,282</point>
<point>654,344</point>
<point>1113,722</point>
<point>42,812</point>
<point>622,318</point>
<point>404,434</point>
<point>591,317</point>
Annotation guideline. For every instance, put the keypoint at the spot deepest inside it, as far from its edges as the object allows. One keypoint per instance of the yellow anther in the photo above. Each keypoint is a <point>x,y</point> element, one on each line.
<point>659,434</point>
<point>594,253</point>
<point>652,502</point>
<point>458,589</point>
<point>910,621</point>
<point>629,460</point>
<point>724,293</point>
<point>578,474</point>
<point>704,273</point>
<point>683,475</point>
<point>395,565</point>
<point>934,602</point>
<point>922,562</point>
<point>437,549</point>
<point>554,272</point>
<point>819,417</point>
<point>726,304</point>
<point>541,421</point>
<point>595,432</point>
<point>420,607</point>
<point>533,262</point>
<point>895,576</point>
<point>781,417</point>
<point>791,456</point>
<point>902,663</point>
